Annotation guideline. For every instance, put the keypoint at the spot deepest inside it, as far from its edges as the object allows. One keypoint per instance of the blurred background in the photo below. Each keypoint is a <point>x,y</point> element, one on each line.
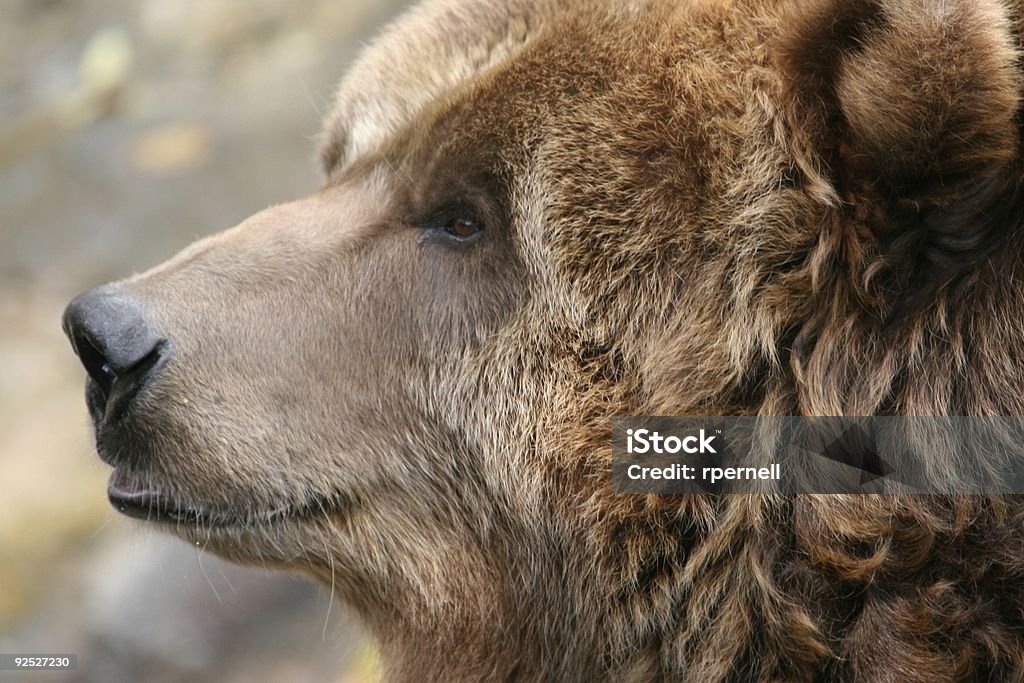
<point>128,128</point>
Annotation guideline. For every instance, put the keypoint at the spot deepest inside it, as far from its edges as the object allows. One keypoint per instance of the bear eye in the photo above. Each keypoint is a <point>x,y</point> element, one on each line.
<point>455,224</point>
<point>463,228</point>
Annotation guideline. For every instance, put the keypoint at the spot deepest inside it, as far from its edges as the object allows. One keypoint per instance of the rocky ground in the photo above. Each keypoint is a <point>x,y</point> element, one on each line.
<point>127,129</point>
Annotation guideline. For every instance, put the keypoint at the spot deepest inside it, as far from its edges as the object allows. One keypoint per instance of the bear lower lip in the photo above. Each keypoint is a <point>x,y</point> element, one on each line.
<point>131,498</point>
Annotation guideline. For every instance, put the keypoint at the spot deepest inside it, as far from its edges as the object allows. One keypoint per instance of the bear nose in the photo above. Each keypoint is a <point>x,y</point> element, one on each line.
<point>118,347</point>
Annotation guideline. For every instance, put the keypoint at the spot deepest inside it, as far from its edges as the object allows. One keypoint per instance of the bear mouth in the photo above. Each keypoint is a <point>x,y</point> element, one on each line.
<point>133,498</point>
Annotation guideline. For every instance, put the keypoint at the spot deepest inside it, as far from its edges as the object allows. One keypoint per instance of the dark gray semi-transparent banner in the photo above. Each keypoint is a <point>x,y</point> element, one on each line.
<point>927,455</point>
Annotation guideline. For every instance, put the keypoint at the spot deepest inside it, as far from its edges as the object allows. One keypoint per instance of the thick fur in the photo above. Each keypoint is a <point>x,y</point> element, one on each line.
<point>691,207</point>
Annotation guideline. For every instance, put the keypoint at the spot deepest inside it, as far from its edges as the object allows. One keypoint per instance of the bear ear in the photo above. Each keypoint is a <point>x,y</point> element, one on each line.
<point>911,100</point>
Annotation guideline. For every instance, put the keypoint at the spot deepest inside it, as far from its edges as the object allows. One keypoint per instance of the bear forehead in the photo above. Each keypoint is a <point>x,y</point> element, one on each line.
<point>442,47</point>
<point>427,53</point>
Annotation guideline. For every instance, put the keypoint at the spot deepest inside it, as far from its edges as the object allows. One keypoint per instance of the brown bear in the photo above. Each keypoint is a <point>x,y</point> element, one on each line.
<point>537,215</point>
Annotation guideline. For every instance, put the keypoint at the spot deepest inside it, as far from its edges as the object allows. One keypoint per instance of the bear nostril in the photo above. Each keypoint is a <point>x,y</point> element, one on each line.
<point>117,346</point>
<point>95,364</point>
